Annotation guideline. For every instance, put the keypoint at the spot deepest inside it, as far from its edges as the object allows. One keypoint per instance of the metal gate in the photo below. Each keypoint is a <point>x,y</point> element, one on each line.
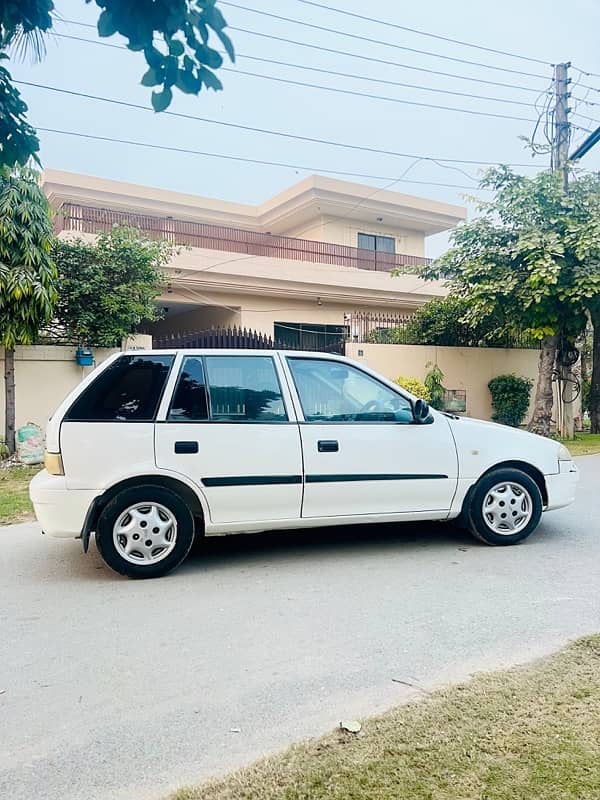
<point>234,338</point>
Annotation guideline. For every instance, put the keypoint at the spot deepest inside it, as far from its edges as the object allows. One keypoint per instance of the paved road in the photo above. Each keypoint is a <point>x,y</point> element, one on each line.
<point>115,689</point>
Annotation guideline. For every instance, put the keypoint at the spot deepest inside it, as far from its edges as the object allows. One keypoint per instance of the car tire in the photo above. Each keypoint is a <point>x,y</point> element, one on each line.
<point>505,507</point>
<point>145,532</point>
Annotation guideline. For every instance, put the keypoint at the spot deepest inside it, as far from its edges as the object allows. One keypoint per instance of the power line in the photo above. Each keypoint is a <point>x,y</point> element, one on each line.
<point>585,117</point>
<point>354,93</point>
<point>389,24</point>
<point>267,131</point>
<point>586,73</point>
<point>261,162</point>
<point>337,90</point>
<point>371,59</point>
<point>326,89</point>
<point>380,42</point>
<point>332,72</point>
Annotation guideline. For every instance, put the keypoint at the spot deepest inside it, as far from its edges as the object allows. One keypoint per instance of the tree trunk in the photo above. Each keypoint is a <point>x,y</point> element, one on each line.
<point>9,394</point>
<point>544,396</point>
<point>595,386</point>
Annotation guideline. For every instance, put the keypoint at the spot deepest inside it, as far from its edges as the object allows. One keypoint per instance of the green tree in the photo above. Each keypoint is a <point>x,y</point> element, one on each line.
<point>27,273</point>
<point>594,391</point>
<point>18,140</point>
<point>442,322</point>
<point>174,37</point>
<point>530,259</point>
<point>108,287</point>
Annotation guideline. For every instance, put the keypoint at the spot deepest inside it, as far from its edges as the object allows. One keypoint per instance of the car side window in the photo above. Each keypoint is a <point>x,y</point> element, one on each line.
<point>190,401</point>
<point>244,389</point>
<point>128,390</point>
<point>332,391</point>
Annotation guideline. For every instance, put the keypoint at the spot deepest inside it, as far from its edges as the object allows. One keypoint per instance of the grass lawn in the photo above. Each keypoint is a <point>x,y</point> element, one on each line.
<point>584,444</point>
<point>530,733</point>
<point>15,505</point>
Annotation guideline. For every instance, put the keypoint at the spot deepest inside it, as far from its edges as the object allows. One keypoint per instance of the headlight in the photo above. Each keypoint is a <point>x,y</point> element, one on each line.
<point>563,454</point>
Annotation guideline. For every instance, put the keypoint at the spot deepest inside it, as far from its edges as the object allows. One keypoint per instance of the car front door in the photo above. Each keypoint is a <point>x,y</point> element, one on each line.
<point>229,426</point>
<point>363,452</point>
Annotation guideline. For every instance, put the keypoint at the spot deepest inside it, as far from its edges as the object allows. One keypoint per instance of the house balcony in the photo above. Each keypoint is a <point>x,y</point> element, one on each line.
<point>77,218</point>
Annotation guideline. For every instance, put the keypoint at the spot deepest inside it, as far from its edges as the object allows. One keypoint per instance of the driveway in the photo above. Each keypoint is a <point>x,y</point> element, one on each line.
<point>114,689</point>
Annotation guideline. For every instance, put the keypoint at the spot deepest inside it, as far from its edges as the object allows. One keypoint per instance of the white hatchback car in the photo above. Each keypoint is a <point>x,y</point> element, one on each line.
<point>156,447</point>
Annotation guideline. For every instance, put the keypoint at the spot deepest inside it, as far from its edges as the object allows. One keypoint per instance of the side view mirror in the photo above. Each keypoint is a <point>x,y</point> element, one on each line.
<point>421,410</point>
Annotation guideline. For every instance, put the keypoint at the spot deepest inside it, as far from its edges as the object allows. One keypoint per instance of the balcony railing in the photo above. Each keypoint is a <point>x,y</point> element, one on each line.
<point>87,219</point>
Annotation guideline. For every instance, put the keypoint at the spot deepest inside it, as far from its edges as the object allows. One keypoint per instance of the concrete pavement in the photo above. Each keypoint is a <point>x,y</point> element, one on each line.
<point>117,689</point>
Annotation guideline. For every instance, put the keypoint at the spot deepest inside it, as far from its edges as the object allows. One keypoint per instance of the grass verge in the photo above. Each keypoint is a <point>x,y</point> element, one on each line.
<point>15,505</point>
<point>529,732</point>
<point>584,444</point>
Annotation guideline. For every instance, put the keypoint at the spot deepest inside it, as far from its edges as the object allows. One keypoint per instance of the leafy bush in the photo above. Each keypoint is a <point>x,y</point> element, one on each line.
<point>414,386</point>
<point>510,399</point>
<point>441,322</point>
<point>434,383</point>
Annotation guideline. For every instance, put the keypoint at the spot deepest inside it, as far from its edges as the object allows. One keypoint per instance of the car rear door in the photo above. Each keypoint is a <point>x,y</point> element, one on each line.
<point>229,425</point>
<point>363,452</point>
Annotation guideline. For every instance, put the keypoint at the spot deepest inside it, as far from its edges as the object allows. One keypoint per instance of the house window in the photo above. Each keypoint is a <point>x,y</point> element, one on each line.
<point>382,244</point>
<point>308,336</point>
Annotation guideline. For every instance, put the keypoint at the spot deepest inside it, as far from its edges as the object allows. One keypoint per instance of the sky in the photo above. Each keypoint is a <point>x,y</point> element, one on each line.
<point>537,29</point>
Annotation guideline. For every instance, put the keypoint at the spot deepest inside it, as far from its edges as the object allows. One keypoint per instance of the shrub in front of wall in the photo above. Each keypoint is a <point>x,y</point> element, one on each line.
<point>434,382</point>
<point>414,386</point>
<point>510,399</point>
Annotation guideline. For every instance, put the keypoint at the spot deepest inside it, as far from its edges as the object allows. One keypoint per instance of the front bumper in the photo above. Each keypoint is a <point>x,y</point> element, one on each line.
<point>561,486</point>
<point>60,511</point>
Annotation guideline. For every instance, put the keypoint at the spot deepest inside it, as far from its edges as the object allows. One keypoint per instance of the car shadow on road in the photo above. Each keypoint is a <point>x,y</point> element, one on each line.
<point>314,544</point>
<point>324,543</point>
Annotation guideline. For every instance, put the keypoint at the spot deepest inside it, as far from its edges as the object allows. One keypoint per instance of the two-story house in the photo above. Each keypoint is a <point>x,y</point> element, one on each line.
<point>296,267</point>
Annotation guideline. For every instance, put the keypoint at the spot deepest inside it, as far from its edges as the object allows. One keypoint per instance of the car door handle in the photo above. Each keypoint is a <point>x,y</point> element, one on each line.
<point>186,447</point>
<point>328,446</point>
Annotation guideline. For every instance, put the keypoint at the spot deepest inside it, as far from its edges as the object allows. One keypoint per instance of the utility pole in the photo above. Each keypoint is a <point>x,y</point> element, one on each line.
<point>562,133</point>
<point>561,137</point>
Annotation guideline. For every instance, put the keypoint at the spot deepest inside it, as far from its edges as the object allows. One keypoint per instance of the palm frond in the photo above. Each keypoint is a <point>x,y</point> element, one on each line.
<point>27,44</point>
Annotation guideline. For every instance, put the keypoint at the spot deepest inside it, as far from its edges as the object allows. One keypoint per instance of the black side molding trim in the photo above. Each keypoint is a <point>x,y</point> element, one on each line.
<point>253,480</point>
<point>375,477</point>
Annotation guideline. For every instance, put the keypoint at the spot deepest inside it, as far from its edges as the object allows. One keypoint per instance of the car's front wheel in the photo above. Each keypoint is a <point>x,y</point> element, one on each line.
<point>145,532</point>
<point>505,507</point>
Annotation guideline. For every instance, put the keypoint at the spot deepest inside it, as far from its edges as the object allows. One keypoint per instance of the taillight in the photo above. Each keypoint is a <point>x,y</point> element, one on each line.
<point>54,463</point>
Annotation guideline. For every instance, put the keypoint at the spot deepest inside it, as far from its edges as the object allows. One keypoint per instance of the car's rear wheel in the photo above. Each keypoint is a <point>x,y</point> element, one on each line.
<point>145,532</point>
<point>505,507</point>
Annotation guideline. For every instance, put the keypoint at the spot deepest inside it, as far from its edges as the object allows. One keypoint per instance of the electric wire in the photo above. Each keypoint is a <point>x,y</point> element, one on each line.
<point>359,56</point>
<point>396,26</point>
<point>261,162</point>
<point>335,73</point>
<point>267,131</point>
<point>379,42</point>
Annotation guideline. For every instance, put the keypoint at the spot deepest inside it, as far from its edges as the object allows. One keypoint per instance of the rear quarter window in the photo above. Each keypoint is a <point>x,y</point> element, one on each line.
<point>130,389</point>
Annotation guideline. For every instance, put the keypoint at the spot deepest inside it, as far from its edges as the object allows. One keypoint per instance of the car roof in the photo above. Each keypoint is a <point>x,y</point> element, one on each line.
<point>230,352</point>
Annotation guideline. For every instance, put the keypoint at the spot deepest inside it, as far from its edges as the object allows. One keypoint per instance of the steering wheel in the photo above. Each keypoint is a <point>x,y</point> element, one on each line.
<point>372,405</point>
